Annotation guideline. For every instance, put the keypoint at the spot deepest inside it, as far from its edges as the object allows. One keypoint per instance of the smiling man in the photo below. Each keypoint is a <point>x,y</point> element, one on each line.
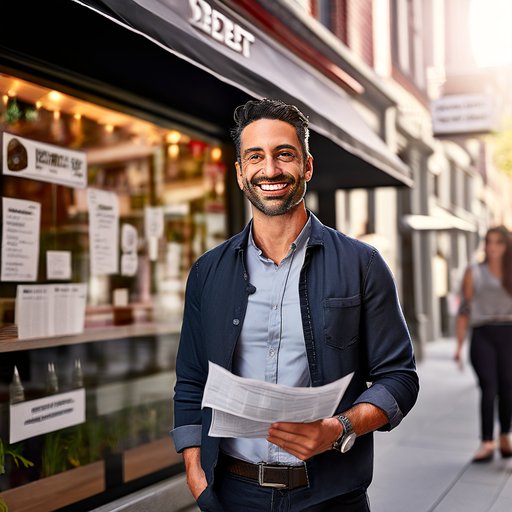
<point>289,301</point>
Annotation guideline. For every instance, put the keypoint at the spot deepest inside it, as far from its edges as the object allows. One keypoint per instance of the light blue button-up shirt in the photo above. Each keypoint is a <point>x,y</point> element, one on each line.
<point>271,347</point>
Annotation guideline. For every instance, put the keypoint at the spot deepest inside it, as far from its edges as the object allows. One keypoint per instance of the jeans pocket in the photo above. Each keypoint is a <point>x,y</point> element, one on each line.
<point>341,321</point>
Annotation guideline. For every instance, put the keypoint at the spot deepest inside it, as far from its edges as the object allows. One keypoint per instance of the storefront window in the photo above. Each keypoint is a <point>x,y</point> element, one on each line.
<point>150,201</point>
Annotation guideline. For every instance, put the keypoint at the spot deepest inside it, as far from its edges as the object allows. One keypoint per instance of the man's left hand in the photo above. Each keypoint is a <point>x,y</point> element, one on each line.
<point>303,440</point>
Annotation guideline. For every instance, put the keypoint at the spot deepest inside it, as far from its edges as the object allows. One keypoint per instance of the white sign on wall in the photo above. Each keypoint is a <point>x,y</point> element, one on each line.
<point>463,114</point>
<point>48,414</point>
<point>27,158</point>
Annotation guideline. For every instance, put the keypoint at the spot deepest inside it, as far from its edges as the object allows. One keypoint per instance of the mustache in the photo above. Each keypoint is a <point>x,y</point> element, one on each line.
<point>282,178</point>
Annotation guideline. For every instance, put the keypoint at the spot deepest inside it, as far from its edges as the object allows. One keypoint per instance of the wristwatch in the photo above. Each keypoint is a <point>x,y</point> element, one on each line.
<point>348,436</point>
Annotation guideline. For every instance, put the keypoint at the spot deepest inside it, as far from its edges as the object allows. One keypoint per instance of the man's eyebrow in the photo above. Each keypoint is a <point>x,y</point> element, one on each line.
<point>285,146</point>
<point>277,148</point>
<point>252,150</point>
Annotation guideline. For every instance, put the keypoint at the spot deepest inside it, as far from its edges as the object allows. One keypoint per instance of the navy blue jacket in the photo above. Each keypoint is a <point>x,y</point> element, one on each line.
<point>352,322</point>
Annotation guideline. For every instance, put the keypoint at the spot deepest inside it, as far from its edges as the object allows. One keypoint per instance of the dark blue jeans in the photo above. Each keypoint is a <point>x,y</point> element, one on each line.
<point>238,494</point>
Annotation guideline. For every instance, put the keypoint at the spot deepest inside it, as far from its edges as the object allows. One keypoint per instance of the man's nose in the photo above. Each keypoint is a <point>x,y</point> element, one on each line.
<point>271,167</point>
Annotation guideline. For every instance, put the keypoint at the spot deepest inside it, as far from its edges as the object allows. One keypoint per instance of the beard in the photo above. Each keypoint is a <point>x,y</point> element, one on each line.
<point>273,206</point>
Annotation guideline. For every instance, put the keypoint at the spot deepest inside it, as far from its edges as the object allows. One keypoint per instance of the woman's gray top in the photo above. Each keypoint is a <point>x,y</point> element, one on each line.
<point>491,304</point>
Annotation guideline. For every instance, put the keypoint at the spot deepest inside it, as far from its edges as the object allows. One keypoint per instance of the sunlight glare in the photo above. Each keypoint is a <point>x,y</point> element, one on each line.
<point>490,23</point>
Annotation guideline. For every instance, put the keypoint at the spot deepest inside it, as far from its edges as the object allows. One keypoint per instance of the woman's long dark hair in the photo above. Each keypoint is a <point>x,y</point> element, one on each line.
<point>506,262</point>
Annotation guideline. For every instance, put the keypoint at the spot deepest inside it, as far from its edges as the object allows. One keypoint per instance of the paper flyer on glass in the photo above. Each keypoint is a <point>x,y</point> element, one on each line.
<point>21,222</point>
<point>103,231</point>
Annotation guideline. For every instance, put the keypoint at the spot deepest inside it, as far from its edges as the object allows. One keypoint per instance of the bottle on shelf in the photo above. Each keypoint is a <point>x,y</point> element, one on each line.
<point>52,383</point>
<point>77,376</point>
<point>16,391</point>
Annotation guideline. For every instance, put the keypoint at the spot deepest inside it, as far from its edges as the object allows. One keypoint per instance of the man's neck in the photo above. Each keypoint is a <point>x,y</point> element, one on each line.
<point>274,235</point>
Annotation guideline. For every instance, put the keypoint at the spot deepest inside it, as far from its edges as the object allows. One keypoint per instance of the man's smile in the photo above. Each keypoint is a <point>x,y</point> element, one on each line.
<point>271,187</point>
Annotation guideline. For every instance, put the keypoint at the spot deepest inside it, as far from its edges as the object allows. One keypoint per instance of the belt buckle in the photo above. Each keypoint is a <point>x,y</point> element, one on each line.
<point>261,477</point>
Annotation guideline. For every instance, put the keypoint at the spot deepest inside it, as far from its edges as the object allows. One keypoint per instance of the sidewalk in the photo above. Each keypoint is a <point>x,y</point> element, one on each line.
<point>424,465</point>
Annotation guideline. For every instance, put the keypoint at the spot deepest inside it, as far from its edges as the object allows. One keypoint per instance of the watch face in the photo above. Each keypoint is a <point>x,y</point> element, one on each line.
<point>347,443</point>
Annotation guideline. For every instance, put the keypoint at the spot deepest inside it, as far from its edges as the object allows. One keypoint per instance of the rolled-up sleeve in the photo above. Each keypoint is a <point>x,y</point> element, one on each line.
<point>186,437</point>
<point>380,397</point>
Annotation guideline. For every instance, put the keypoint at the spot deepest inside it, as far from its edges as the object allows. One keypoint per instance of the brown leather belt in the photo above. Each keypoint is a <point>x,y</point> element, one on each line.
<point>266,475</point>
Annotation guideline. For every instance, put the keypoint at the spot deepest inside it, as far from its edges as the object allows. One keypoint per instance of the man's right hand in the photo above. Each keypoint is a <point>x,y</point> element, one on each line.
<point>196,478</point>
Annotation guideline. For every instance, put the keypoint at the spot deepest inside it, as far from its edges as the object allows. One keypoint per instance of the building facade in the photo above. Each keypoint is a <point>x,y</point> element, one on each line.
<point>415,52</point>
<point>117,173</point>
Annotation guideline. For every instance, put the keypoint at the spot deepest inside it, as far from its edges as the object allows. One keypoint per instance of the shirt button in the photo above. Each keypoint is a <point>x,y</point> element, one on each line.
<point>272,352</point>
<point>274,306</point>
<point>236,321</point>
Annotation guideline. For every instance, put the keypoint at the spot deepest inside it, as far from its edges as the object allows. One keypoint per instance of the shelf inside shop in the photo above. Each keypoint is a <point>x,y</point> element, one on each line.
<point>93,335</point>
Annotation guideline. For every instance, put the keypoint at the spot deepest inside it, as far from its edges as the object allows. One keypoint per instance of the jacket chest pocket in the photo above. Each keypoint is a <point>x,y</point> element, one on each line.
<point>341,320</point>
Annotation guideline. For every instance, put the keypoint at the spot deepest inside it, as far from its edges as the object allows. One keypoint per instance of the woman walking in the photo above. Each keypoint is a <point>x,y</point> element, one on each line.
<point>486,308</point>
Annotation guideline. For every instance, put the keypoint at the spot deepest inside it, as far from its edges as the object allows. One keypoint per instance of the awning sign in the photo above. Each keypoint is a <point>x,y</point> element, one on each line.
<point>27,158</point>
<point>220,27</point>
<point>463,114</point>
<point>48,414</point>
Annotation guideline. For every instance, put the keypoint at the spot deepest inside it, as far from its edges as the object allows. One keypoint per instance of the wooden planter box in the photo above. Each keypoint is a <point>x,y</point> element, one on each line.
<point>148,458</point>
<point>58,490</point>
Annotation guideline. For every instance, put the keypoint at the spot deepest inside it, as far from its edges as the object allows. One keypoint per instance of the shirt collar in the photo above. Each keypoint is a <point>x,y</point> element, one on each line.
<point>297,244</point>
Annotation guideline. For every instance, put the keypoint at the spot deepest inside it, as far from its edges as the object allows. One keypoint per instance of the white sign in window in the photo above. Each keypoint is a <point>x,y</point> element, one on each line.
<point>58,265</point>
<point>48,414</point>
<point>103,231</point>
<point>20,239</point>
<point>27,158</point>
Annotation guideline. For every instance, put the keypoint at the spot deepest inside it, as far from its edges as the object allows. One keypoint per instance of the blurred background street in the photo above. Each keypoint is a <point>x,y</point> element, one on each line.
<point>425,465</point>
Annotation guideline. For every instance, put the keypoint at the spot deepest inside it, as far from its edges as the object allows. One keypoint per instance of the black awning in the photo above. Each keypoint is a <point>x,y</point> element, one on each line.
<point>151,49</point>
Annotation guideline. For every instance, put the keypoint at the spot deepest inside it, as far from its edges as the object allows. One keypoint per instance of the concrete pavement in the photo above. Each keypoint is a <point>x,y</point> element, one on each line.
<point>425,464</point>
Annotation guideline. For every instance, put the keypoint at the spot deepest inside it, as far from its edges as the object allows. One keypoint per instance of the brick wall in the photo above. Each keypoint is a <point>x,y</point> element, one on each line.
<point>360,29</point>
<point>351,21</point>
<point>339,20</point>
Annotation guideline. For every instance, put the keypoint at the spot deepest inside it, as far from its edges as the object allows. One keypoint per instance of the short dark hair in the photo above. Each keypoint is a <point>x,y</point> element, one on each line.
<point>265,108</point>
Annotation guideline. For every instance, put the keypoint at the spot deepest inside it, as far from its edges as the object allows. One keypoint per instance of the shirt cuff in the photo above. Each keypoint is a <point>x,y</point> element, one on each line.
<point>186,437</point>
<point>379,396</point>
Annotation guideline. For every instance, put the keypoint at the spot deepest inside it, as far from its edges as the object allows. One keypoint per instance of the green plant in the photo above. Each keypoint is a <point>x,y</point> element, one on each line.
<point>15,454</point>
<point>53,456</point>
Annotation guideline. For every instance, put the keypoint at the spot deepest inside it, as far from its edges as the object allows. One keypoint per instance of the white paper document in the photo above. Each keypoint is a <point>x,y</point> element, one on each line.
<point>103,231</point>
<point>247,407</point>
<point>50,309</point>
<point>20,239</point>
<point>58,265</point>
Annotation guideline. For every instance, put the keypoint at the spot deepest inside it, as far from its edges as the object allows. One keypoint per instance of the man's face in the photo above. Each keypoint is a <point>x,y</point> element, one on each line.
<point>273,174</point>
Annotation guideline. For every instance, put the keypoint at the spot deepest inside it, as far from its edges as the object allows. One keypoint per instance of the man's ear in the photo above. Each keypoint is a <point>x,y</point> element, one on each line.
<point>308,174</point>
<point>238,168</point>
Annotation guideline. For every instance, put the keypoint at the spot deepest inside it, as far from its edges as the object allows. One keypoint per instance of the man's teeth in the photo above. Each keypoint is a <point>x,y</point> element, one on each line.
<point>272,186</point>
